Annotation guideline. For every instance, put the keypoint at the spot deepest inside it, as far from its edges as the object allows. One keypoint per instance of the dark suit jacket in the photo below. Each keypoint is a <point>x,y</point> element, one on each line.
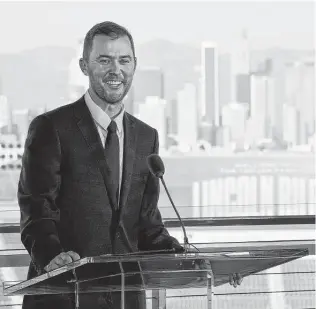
<point>65,202</point>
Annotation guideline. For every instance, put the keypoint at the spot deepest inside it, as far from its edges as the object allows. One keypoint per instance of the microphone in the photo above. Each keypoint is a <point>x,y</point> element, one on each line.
<point>157,168</point>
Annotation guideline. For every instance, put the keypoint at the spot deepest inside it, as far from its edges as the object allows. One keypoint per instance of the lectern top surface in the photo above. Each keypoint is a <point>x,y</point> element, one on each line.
<point>149,270</point>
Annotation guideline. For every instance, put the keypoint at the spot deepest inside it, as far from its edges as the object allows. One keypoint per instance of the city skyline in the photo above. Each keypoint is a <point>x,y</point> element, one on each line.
<point>64,23</point>
<point>260,81</point>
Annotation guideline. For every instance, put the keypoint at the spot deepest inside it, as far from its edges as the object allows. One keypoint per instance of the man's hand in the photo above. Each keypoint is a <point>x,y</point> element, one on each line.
<point>235,279</point>
<point>61,260</point>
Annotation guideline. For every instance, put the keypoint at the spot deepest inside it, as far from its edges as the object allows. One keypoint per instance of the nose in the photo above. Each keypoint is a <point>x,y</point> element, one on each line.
<point>115,68</point>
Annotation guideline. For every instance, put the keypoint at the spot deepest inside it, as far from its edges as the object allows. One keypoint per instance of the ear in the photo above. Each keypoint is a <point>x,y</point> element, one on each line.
<point>83,66</point>
<point>135,60</point>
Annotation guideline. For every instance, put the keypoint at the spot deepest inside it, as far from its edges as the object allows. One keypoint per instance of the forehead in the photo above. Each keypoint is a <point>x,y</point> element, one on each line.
<point>105,45</point>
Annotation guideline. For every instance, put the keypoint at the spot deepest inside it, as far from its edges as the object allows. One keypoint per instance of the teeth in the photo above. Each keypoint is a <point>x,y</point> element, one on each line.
<point>111,82</point>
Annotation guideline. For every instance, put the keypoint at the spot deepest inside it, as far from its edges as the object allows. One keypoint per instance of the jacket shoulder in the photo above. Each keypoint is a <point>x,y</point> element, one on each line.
<point>62,115</point>
<point>143,125</point>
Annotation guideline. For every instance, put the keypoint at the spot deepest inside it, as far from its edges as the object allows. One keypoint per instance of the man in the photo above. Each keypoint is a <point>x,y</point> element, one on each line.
<point>85,188</point>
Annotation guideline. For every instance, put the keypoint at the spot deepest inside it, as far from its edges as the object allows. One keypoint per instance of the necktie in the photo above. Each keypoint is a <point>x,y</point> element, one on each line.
<point>112,154</point>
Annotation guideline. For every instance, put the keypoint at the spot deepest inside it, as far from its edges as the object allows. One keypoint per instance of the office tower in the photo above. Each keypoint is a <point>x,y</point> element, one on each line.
<point>262,101</point>
<point>243,90</point>
<point>207,133</point>
<point>21,117</point>
<point>173,116</point>
<point>240,63</point>
<point>210,88</point>
<point>234,118</point>
<point>153,112</point>
<point>148,82</point>
<point>277,73</point>
<point>290,125</point>
<point>5,114</point>
<point>224,80</point>
<point>77,81</point>
<point>187,130</point>
<point>300,94</point>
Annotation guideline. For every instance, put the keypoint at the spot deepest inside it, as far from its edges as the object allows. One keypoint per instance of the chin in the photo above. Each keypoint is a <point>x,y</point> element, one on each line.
<point>114,100</point>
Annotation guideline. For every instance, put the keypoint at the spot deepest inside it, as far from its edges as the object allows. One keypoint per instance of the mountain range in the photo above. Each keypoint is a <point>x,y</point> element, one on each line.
<point>39,77</point>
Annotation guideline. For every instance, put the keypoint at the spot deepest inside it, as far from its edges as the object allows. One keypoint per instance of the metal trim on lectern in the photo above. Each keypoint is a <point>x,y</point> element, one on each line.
<point>151,271</point>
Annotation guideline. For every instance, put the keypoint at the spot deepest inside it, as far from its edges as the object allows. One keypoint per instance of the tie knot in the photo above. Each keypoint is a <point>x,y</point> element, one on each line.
<point>112,127</point>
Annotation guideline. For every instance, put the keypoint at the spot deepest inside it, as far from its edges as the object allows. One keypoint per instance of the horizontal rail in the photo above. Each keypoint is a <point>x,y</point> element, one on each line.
<point>209,222</point>
<point>233,221</point>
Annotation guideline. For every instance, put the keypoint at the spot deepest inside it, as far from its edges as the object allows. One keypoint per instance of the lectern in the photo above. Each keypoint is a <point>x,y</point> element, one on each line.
<point>151,271</point>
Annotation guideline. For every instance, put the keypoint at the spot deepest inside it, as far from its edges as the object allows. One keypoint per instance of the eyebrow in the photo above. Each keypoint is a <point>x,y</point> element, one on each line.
<point>111,57</point>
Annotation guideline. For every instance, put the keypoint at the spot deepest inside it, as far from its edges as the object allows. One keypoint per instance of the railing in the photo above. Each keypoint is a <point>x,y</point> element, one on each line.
<point>288,286</point>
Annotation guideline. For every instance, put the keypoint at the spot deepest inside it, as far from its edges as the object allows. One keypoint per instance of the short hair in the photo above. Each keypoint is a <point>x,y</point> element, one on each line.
<point>108,28</point>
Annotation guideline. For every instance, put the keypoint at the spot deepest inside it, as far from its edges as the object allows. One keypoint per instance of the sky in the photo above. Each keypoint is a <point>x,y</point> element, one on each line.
<point>26,25</point>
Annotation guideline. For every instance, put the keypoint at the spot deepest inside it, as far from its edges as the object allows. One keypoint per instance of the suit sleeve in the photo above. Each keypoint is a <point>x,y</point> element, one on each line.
<point>152,233</point>
<point>37,192</point>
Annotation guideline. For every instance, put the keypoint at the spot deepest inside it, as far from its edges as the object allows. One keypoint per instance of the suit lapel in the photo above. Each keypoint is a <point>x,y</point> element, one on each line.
<point>130,143</point>
<point>91,135</point>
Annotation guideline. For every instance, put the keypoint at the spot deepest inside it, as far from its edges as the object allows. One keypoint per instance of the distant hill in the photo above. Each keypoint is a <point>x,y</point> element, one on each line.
<point>39,77</point>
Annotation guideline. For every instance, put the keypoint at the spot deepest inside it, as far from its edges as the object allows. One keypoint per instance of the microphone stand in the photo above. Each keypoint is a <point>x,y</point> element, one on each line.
<point>186,241</point>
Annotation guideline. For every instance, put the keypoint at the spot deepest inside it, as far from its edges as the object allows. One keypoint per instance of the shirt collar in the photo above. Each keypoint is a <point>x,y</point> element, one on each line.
<point>101,117</point>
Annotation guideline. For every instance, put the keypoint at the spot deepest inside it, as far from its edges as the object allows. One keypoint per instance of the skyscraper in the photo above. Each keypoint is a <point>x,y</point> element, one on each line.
<point>262,97</point>
<point>240,67</point>
<point>187,127</point>
<point>153,112</point>
<point>21,117</point>
<point>210,87</point>
<point>300,95</point>
<point>290,125</point>
<point>148,82</point>
<point>234,118</point>
<point>243,89</point>
<point>225,79</point>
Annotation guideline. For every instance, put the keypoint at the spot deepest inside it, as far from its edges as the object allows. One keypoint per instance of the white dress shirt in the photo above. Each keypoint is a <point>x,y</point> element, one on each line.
<point>102,121</point>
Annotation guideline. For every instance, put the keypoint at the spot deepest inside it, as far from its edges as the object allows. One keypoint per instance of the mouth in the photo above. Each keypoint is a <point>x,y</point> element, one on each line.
<point>114,84</point>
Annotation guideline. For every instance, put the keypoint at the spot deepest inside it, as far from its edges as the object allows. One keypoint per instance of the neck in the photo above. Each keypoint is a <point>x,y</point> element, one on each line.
<point>112,110</point>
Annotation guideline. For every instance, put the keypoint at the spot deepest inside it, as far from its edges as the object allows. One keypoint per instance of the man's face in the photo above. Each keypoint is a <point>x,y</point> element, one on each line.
<point>110,67</point>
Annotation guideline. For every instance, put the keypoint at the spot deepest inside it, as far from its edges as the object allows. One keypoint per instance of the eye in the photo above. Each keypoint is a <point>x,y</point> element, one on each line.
<point>125,61</point>
<point>104,61</point>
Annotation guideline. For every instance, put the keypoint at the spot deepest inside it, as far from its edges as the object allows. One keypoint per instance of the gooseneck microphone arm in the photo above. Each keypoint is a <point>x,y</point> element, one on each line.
<point>157,169</point>
<point>186,241</point>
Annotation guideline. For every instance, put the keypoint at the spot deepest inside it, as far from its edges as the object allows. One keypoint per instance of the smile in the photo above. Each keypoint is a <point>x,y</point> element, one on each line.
<point>114,83</point>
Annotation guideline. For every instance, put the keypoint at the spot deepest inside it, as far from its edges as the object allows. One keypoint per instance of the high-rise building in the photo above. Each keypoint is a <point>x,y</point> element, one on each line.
<point>240,63</point>
<point>210,86</point>
<point>187,127</point>
<point>300,94</point>
<point>275,69</point>
<point>290,125</point>
<point>262,97</point>
<point>174,116</point>
<point>243,89</point>
<point>21,117</point>
<point>153,112</point>
<point>148,82</point>
<point>224,80</point>
<point>234,118</point>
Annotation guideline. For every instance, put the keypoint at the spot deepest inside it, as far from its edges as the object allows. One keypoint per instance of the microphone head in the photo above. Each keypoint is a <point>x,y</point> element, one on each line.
<point>155,165</point>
